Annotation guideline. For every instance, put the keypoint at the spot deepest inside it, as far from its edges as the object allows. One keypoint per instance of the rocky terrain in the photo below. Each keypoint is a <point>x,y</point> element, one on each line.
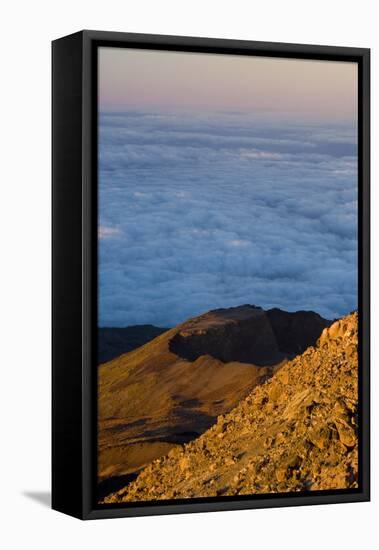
<point>172,389</point>
<point>295,432</point>
<point>248,334</point>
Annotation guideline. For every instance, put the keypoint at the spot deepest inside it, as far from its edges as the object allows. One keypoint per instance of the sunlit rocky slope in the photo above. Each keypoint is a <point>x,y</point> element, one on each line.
<point>172,389</point>
<point>295,432</point>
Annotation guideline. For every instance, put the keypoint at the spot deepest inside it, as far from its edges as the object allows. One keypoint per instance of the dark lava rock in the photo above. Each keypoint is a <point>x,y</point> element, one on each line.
<point>295,332</point>
<point>248,334</point>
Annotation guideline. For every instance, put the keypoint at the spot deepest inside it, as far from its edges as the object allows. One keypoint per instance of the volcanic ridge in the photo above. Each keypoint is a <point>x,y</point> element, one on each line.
<point>169,391</point>
<point>297,431</point>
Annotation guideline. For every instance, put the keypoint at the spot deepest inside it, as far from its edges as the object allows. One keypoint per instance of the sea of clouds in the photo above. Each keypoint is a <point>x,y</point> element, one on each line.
<point>198,212</point>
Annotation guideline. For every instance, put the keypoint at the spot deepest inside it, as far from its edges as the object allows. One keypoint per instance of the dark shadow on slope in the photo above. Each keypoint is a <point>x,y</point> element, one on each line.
<point>115,483</point>
<point>249,335</point>
<point>114,341</point>
<point>295,332</point>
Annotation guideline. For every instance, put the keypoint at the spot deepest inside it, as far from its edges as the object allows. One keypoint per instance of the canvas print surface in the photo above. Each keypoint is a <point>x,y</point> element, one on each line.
<point>227,275</point>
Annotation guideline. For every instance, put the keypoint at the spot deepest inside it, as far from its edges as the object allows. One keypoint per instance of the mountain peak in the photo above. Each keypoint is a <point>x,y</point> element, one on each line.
<point>171,389</point>
<point>248,334</point>
<point>296,432</point>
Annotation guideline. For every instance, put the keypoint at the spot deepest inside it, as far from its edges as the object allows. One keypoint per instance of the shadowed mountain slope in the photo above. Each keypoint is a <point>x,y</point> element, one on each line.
<point>170,390</point>
<point>114,341</point>
<point>248,334</point>
<point>295,432</point>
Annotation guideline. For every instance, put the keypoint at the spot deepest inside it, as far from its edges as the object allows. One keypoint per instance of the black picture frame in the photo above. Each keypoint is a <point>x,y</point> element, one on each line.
<point>74,271</point>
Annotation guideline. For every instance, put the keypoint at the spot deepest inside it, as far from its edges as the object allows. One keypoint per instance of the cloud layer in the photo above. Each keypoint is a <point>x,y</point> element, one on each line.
<point>200,212</point>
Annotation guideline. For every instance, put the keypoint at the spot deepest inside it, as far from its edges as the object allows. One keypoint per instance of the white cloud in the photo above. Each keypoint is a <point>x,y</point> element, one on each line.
<point>107,232</point>
<point>266,155</point>
<point>187,223</point>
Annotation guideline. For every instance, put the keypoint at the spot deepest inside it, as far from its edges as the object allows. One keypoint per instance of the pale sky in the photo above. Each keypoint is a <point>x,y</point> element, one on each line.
<point>152,79</point>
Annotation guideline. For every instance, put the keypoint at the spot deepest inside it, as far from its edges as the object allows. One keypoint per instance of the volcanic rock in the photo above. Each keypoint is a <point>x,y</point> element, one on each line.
<point>248,334</point>
<point>295,432</point>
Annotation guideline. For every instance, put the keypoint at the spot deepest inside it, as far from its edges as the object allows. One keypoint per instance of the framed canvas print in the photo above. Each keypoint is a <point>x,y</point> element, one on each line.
<point>210,274</point>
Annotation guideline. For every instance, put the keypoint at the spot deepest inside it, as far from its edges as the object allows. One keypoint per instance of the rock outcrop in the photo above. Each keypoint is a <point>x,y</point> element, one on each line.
<point>248,334</point>
<point>295,332</point>
<point>295,432</point>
